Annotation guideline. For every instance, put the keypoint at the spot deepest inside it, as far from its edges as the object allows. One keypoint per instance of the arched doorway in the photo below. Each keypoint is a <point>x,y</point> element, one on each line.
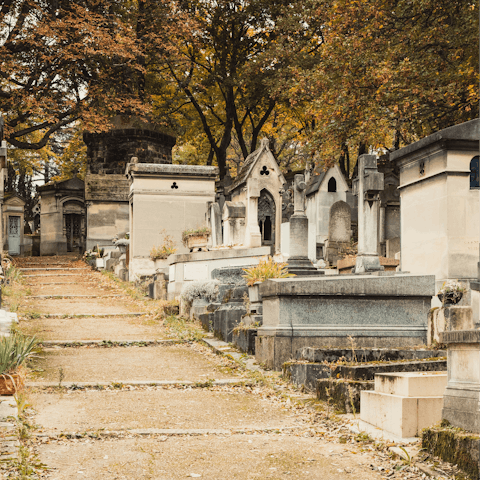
<point>266,217</point>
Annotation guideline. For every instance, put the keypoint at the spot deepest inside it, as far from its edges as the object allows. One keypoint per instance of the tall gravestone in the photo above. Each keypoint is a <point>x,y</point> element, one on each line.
<point>299,263</point>
<point>339,230</point>
<point>368,186</point>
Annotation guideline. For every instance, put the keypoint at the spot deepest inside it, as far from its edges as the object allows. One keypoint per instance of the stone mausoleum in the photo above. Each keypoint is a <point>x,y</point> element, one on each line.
<point>62,217</point>
<point>440,204</point>
<point>106,187</point>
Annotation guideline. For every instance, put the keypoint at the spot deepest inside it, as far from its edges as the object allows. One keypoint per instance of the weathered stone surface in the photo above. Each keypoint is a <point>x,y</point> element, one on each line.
<point>365,355</point>
<point>346,286</point>
<point>361,372</point>
<point>230,275</point>
<point>448,319</point>
<point>245,340</point>
<point>462,336</point>
<point>344,395</point>
<point>226,318</point>
<point>166,169</point>
<point>458,448</point>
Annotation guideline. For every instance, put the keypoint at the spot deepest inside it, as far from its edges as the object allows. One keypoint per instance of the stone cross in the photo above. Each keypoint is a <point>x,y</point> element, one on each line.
<point>299,191</point>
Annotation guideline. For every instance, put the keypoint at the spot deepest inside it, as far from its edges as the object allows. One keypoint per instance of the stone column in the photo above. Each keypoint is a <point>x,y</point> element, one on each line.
<point>299,263</point>
<point>3,173</point>
<point>368,185</point>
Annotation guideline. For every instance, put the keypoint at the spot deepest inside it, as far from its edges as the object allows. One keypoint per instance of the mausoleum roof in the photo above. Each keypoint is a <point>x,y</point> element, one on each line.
<point>314,183</point>
<point>464,136</point>
<point>73,183</point>
<point>249,164</point>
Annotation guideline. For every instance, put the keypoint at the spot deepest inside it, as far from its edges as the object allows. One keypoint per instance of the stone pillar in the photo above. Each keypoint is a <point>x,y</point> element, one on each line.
<point>299,263</point>
<point>3,173</point>
<point>253,237</point>
<point>367,186</point>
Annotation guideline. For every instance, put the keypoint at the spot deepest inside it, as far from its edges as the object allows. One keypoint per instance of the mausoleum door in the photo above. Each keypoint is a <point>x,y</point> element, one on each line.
<point>14,235</point>
<point>266,218</point>
<point>73,226</point>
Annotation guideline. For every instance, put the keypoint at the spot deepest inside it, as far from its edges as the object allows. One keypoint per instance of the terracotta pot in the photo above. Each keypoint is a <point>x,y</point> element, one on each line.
<point>10,384</point>
<point>449,299</point>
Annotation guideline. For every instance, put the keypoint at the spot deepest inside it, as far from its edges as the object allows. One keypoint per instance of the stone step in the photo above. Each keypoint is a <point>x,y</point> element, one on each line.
<point>412,384</point>
<point>59,297</point>
<point>109,343</point>
<point>92,315</point>
<point>54,275</point>
<point>141,383</point>
<point>57,283</point>
<point>54,269</point>
<point>168,432</point>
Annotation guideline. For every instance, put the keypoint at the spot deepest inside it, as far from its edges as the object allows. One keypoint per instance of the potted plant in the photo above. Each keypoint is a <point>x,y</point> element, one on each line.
<point>14,351</point>
<point>196,239</point>
<point>451,293</point>
<point>266,268</point>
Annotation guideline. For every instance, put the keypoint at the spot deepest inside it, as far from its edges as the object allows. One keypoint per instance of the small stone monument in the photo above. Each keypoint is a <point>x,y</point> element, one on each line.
<point>299,263</point>
<point>339,230</point>
<point>367,186</point>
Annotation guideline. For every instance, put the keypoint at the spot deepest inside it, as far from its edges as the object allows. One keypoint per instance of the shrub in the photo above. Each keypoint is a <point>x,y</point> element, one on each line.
<point>266,268</point>
<point>200,289</point>
<point>163,251</point>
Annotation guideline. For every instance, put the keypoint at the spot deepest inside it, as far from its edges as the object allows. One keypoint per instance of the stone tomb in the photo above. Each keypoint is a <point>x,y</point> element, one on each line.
<point>62,217</point>
<point>13,223</point>
<point>106,188</point>
<point>258,188</point>
<point>323,191</point>
<point>165,198</point>
<point>440,226</point>
<point>377,311</point>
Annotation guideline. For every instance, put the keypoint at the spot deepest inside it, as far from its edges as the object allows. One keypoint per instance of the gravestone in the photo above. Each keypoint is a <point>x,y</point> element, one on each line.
<point>214,221</point>
<point>299,263</point>
<point>339,230</point>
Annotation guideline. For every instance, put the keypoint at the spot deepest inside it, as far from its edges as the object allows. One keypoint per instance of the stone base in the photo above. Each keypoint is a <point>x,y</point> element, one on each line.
<point>368,263</point>
<point>245,340</point>
<point>377,311</point>
<point>399,405</point>
<point>462,396</point>
<point>448,319</point>
<point>226,318</point>
<point>274,351</point>
<point>301,266</point>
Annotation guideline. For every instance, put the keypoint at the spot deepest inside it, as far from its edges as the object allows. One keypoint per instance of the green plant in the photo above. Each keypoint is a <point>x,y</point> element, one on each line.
<point>266,268</point>
<point>14,351</point>
<point>195,232</point>
<point>163,251</point>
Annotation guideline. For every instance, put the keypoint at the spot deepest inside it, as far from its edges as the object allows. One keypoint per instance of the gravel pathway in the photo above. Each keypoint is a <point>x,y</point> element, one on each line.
<point>251,426</point>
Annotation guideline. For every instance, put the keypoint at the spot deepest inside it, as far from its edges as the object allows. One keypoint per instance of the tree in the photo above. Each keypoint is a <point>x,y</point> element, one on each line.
<point>392,71</point>
<point>62,61</point>
<point>221,67</point>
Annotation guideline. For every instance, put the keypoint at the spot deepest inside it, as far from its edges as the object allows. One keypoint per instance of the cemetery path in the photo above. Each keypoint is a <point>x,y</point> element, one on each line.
<point>125,396</point>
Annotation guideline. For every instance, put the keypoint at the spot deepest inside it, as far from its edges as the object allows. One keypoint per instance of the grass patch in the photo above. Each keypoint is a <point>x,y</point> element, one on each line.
<point>183,329</point>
